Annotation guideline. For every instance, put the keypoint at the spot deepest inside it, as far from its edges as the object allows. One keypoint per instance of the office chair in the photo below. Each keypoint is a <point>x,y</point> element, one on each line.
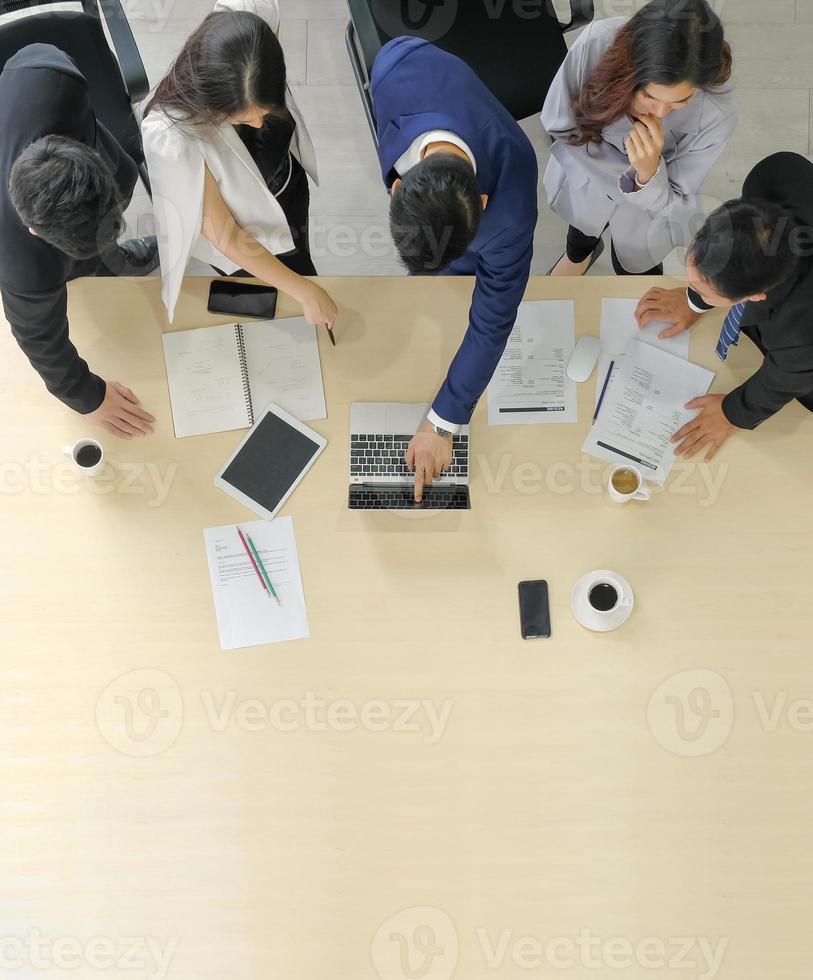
<point>116,80</point>
<point>514,46</point>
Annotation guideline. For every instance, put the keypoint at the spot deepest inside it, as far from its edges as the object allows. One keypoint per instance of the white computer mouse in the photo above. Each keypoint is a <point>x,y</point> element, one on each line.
<point>583,359</point>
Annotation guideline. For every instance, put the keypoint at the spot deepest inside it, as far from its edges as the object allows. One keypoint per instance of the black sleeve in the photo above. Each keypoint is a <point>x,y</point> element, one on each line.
<point>39,322</point>
<point>783,376</point>
<point>697,300</point>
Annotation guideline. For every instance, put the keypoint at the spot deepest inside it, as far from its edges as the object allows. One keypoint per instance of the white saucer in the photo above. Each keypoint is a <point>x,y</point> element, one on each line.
<point>584,612</point>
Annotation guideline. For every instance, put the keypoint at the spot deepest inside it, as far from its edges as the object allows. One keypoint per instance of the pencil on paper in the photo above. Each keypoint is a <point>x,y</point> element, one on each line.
<point>262,567</point>
<point>254,563</point>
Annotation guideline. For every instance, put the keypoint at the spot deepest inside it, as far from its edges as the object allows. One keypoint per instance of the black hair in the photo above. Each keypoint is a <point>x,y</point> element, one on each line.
<point>435,212</point>
<point>747,247</point>
<point>67,194</point>
<point>665,43</point>
<point>232,62</point>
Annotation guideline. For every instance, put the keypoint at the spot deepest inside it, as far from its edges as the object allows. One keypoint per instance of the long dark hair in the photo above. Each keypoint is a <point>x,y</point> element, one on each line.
<point>232,62</point>
<point>666,42</point>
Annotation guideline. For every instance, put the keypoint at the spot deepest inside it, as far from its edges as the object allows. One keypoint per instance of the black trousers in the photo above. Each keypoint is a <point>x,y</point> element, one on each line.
<point>581,247</point>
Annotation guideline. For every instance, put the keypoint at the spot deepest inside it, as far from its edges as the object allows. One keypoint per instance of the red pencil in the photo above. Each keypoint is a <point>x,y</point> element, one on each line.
<point>253,563</point>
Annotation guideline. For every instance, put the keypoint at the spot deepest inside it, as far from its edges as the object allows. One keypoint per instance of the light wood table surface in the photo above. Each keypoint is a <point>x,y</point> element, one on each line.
<point>262,813</point>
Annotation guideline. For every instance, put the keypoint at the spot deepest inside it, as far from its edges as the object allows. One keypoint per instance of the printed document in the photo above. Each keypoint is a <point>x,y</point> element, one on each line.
<point>531,382</point>
<point>645,408</point>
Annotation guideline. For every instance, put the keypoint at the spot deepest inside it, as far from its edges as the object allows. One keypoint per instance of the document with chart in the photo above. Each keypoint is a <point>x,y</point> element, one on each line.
<point>618,328</point>
<point>645,408</point>
<point>531,382</point>
<point>222,377</point>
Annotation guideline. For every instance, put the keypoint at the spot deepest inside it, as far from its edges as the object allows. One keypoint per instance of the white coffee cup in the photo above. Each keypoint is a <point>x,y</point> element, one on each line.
<point>87,454</point>
<point>626,483</point>
<point>606,595</point>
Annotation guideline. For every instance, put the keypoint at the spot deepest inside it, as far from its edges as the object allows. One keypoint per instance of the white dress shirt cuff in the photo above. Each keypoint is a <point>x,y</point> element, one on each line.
<point>697,309</point>
<point>638,182</point>
<point>435,419</point>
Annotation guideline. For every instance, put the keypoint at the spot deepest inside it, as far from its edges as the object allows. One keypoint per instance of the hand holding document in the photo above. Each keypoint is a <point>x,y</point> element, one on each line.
<point>644,407</point>
<point>618,327</point>
<point>245,616</point>
<point>531,382</point>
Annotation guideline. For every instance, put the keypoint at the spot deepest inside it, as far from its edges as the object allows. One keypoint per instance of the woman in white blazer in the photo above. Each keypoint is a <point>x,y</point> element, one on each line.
<point>639,112</point>
<point>229,158</point>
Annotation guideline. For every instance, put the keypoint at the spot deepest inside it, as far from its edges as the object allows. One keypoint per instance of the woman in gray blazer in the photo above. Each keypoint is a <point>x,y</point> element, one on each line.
<point>639,112</point>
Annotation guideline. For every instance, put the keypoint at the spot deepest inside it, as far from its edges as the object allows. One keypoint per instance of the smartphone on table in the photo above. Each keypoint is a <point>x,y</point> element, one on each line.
<point>231,298</point>
<point>534,609</point>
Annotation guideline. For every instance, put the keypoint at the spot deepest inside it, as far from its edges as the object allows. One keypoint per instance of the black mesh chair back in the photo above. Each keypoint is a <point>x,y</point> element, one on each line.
<point>515,46</point>
<point>114,82</point>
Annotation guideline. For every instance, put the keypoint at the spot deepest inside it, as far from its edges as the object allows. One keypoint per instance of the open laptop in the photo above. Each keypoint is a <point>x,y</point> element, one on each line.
<point>379,479</point>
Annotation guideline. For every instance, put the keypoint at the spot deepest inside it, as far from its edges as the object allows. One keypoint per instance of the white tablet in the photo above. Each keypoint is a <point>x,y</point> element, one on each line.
<point>268,464</point>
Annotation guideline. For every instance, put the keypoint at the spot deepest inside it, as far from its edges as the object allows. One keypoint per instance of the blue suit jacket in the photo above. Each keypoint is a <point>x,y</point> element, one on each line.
<point>417,88</point>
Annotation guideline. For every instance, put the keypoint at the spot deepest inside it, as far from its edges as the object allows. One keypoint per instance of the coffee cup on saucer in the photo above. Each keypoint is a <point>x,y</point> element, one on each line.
<point>602,600</point>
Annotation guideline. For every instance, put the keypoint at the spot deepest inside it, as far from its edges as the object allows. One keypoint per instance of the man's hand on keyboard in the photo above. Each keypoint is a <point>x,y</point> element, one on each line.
<point>427,455</point>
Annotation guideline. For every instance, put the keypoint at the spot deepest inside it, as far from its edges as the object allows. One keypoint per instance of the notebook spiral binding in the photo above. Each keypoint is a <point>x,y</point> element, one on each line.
<point>241,353</point>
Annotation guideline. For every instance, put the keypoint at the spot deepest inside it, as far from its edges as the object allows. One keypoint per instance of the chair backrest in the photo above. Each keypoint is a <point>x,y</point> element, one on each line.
<point>514,46</point>
<point>81,36</point>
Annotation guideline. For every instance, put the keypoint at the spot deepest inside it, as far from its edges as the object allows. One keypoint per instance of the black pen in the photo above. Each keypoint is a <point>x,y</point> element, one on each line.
<point>604,390</point>
<point>330,334</point>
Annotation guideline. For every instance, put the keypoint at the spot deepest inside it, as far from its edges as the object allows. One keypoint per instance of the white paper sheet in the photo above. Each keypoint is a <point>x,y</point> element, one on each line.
<point>284,367</point>
<point>644,409</point>
<point>530,383</point>
<point>619,327</point>
<point>245,615</point>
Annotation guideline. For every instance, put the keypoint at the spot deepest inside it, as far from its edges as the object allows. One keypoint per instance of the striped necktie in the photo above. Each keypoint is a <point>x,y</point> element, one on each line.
<point>730,334</point>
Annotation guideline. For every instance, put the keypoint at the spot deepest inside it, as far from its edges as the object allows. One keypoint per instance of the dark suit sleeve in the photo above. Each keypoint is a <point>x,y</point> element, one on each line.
<point>502,275</point>
<point>39,322</point>
<point>784,375</point>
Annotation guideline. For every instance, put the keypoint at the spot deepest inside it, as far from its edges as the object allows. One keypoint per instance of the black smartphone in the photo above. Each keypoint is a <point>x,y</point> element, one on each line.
<point>242,299</point>
<point>534,609</point>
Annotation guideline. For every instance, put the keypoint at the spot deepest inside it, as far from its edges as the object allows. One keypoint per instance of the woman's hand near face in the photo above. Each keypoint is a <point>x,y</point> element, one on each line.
<point>644,147</point>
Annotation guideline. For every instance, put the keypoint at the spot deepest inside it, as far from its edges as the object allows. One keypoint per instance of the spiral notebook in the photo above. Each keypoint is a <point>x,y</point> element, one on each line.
<point>221,377</point>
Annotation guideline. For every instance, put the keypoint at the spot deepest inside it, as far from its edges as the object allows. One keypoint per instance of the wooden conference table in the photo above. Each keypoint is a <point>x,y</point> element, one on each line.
<point>261,813</point>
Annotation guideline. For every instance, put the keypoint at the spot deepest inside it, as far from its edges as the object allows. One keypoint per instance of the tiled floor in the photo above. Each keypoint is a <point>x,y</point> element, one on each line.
<point>772,41</point>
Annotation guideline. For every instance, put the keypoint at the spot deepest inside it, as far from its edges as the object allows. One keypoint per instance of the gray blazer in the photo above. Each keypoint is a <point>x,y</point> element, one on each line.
<point>593,186</point>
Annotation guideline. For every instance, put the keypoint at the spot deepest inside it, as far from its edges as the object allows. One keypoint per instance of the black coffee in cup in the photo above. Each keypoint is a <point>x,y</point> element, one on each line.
<point>603,597</point>
<point>88,456</point>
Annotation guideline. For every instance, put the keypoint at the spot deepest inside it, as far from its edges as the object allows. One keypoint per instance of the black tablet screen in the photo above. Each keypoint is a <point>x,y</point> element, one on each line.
<point>270,462</point>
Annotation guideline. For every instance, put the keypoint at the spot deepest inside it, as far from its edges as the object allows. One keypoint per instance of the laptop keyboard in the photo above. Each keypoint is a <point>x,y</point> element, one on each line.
<point>380,496</point>
<point>382,455</point>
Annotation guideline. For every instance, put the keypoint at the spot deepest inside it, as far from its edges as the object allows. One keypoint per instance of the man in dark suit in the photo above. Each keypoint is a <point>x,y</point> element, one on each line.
<point>462,177</point>
<point>64,183</point>
<point>754,255</point>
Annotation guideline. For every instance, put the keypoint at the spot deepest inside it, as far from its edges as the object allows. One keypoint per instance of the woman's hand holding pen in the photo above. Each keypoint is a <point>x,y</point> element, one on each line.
<point>644,147</point>
<point>317,306</point>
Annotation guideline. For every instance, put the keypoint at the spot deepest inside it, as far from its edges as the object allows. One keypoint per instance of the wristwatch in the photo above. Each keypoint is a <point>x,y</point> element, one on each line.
<point>441,432</point>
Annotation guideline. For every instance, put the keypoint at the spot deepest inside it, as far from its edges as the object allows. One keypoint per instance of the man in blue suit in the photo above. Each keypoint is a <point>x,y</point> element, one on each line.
<point>462,177</point>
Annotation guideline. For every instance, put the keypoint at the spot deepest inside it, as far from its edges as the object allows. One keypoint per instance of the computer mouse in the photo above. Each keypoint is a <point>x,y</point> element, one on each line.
<point>583,359</point>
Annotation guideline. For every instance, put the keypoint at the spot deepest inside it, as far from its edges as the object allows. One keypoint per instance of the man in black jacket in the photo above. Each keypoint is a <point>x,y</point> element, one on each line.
<point>754,255</point>
<point>64,183</point>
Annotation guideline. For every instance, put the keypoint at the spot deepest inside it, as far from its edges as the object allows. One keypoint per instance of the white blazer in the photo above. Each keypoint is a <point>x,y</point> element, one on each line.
<point>176,155</point>
<point>589,187</point>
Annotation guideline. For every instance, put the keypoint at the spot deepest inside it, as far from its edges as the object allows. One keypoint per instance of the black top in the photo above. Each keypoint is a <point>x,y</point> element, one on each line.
<point>42,92</point>
<point>270,148</point>
<point>781,325</point>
